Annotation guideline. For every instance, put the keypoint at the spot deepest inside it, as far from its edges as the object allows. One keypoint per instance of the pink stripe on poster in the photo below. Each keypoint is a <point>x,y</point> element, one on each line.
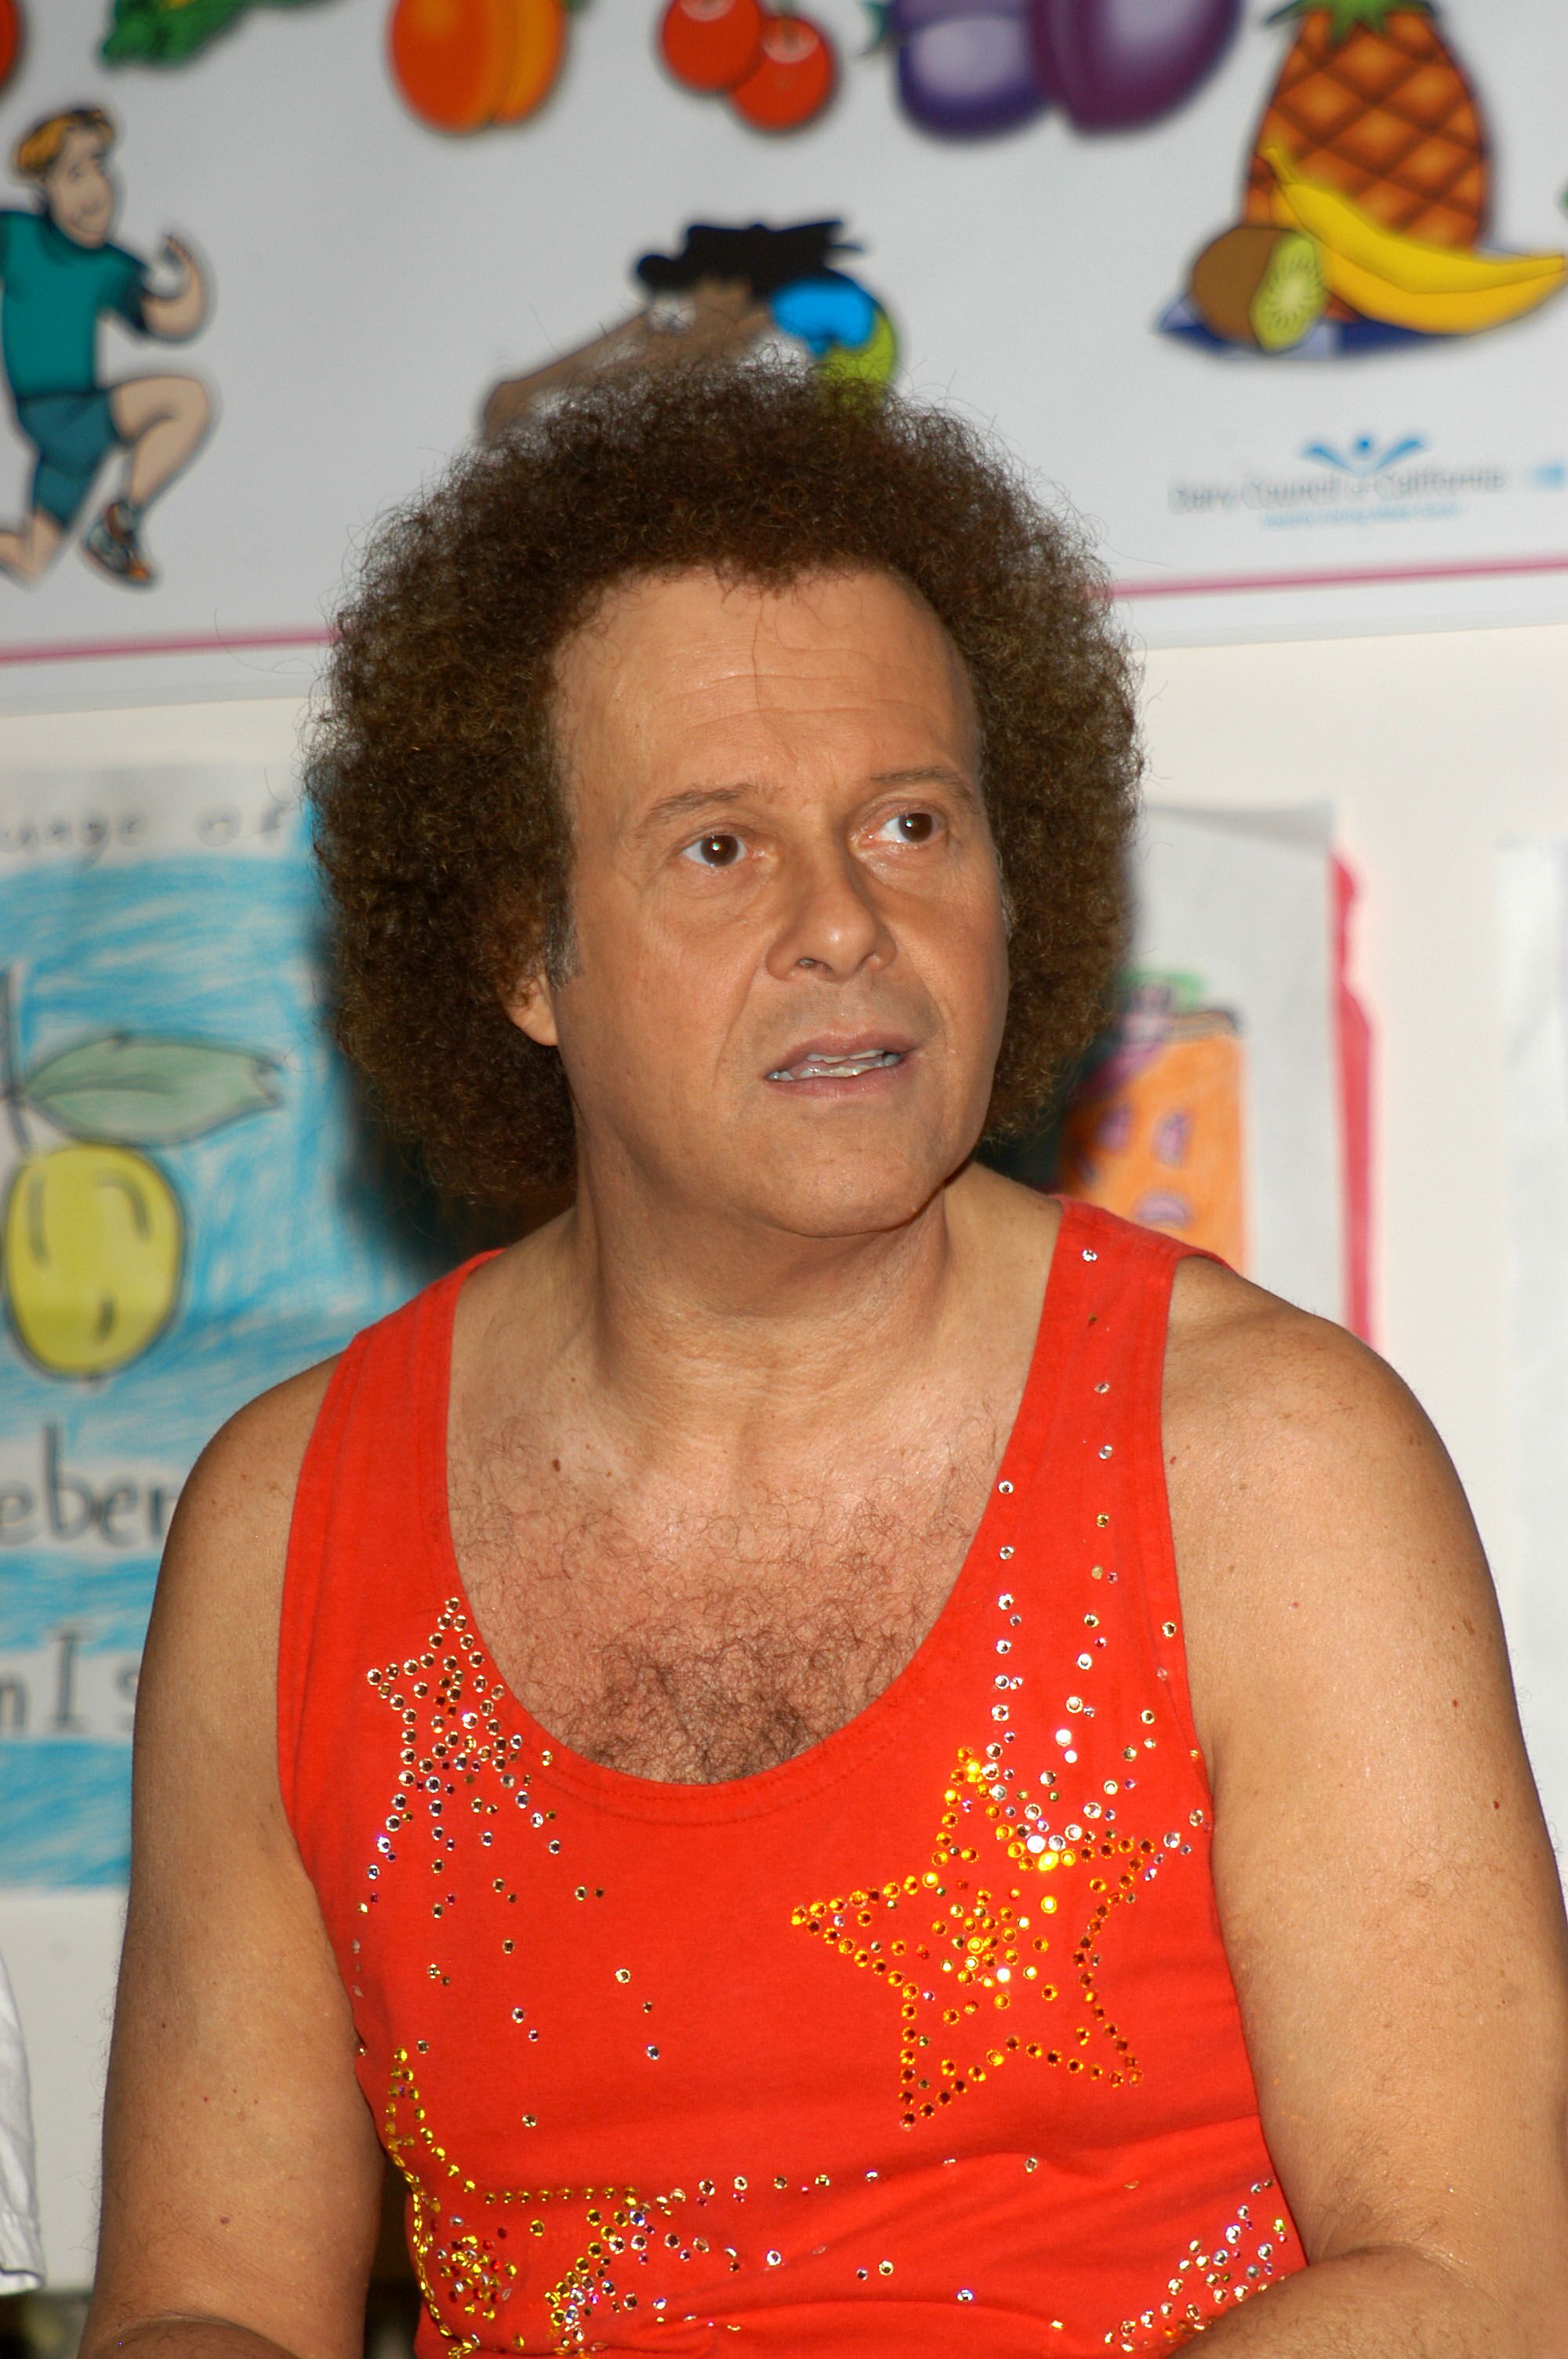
<point>1353,1040</point>
<point>1214,585</point>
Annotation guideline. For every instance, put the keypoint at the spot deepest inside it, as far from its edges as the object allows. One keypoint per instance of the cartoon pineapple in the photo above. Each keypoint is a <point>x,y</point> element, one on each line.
<point>1371,100</point>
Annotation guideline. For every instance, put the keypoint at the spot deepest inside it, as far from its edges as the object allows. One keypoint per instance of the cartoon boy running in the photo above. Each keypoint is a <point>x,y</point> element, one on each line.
<point>57,273</point>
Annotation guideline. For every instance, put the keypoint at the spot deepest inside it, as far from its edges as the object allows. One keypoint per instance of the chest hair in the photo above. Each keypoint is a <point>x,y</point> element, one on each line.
<point>684,1643</point>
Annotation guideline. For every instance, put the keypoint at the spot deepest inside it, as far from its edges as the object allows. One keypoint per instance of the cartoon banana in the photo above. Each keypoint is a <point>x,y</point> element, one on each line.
<point>1414,264</point>
<point>1435,311</point>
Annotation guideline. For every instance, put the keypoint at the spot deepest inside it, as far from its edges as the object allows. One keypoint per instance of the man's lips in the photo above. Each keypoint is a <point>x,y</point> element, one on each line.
<point>840,1059</point>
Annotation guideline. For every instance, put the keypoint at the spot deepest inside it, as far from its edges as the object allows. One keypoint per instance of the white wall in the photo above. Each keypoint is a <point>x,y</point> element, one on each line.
<point>1431,747</point>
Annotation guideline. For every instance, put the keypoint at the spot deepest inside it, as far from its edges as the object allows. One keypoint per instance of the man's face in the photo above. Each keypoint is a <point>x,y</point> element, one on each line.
<point>77,190</point>
<point>781,857</point>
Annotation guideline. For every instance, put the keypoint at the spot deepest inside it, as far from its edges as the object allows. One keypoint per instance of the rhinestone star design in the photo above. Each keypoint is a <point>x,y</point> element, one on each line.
<point>968,1962</point>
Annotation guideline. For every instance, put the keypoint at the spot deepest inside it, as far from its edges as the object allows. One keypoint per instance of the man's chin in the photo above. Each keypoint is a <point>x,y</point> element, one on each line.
<point>839,1203</point>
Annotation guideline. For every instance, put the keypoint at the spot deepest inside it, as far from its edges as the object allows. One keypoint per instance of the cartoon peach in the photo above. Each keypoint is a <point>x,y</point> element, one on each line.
<point>462,64</point>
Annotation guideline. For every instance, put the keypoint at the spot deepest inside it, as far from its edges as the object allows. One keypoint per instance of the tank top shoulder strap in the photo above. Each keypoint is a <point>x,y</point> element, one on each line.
<point>367,1533</point>
<point>1111,1309</point>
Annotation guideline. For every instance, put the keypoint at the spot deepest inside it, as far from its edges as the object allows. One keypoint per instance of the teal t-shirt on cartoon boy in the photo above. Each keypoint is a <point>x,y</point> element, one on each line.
<point>53,294</point>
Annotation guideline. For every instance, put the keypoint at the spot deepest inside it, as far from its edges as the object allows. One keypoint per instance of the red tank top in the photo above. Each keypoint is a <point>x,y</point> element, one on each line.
<point>921,2044</point>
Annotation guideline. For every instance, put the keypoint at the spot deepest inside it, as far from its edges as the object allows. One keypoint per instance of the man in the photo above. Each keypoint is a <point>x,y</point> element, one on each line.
<point>693,1733</point>
<point>59,274</point>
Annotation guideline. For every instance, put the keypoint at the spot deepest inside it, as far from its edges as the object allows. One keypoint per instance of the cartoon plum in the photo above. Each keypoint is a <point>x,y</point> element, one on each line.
<point>1116,65</point>
<point>966,67</point>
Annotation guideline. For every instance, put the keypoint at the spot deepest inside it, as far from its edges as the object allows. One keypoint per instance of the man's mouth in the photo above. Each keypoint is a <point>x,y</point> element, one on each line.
<point>820,1067</point>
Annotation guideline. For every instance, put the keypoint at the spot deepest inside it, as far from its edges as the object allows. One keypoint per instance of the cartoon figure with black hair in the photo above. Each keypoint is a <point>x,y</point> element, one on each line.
<point>59,273</point>
<point>726,291</point>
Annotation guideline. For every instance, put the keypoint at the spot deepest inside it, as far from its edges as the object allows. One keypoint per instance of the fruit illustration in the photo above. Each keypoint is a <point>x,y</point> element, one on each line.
<point>92,1245</point>
<point>1116,65</point>
<point>1372,101</point>
<point>463,65</point>
<point>1258,286</point>
<point>1406,281</point>
<point>966,67</point>
<point>10,38</point>
<point>710,45</point>
<point>93,1235</point>
<point>793,79</point>
<point>1371,149</point>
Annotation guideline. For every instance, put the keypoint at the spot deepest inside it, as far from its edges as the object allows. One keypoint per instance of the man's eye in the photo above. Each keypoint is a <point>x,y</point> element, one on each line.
<point>714,851</point>
<point>910,826</point>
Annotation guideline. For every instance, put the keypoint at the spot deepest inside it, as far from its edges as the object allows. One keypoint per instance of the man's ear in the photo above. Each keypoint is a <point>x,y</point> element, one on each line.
<point>531,1007</point>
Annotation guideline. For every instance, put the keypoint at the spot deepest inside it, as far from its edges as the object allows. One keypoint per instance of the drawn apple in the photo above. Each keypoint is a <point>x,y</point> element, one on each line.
<point>10,37</point>
<point>793,79</point>
<point>711,45</point>
<point>966,67</point>
<point>1116,65</point>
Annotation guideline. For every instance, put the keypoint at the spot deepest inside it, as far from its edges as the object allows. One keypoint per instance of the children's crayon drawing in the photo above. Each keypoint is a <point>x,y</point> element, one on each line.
<point>1225,1104</point>
<point>192,1212</point>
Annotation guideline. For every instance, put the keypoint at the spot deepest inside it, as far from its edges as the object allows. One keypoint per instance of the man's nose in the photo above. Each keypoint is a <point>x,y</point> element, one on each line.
<point>831,923</point>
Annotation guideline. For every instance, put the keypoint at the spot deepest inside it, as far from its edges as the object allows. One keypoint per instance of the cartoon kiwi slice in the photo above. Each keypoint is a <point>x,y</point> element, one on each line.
<point>1258,285</point>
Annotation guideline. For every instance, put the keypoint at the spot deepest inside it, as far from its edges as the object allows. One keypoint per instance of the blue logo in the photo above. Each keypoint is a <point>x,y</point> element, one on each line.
<point>1365,456</point>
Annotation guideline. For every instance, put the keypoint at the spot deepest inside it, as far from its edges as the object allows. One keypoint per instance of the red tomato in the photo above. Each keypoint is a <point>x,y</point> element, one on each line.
<point>711,44</point>
<point>793,80</point>
<point>10,37</point>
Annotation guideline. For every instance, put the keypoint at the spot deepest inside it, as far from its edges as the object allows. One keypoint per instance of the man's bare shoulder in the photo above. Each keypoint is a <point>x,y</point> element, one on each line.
<point>1316,1515</point>
<point>1247,1372</point>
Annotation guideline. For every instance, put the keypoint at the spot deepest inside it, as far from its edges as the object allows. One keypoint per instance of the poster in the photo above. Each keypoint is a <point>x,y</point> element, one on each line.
<point>1226,1105</point>
<point>1533,927</point>
<point>1275,298</point>
<point>193,1210</point>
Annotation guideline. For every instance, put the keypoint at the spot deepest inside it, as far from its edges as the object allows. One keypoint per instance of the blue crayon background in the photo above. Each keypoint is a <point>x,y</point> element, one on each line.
<point>298,1230</point>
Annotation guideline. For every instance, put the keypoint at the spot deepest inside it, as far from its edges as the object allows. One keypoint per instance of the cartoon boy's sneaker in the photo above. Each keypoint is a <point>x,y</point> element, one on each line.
<point>114,548</point>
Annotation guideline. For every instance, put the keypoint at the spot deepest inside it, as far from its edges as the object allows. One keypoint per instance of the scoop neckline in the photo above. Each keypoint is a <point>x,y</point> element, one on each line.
<point>626,1793</point>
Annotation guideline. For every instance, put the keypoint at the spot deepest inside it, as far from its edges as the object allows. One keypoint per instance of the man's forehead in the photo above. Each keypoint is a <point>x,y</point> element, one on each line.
<point>692,649</point>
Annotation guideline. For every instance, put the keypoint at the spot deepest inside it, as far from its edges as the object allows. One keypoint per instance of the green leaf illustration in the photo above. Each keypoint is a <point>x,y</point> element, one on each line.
<point>140,1091</point>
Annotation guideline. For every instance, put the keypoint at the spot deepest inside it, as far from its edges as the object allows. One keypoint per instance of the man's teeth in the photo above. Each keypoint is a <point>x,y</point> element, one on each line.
<point>837,1069</point>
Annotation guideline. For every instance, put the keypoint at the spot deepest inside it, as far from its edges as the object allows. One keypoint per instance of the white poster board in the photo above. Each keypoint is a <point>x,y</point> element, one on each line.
<point>371,278</point>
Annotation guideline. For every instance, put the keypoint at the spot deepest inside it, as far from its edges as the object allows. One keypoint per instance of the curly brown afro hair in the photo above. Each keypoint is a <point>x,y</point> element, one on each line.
<point>440,820</point>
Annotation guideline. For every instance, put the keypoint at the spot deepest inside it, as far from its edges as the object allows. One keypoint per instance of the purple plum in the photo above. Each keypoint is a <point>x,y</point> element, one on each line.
<point>966,67</point>
<point>1115,65</point>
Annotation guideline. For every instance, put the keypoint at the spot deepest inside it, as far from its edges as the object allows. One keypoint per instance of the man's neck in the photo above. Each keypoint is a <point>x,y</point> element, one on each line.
<point>690,1338</point>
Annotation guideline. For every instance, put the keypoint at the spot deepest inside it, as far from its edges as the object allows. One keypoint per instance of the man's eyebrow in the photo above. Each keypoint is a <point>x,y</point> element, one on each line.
<point>692,799</point>
<point>930,773</point>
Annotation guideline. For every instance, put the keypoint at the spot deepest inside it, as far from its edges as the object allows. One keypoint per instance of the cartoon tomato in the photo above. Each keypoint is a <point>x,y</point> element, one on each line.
<point>711,45</point>
<point>10,37</point>
<point>792,80</point>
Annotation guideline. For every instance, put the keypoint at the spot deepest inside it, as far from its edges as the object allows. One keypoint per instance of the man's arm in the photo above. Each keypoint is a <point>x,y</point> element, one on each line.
<point>242,2171</point>
<point>173,318</point>
<point>1387,1891</point>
